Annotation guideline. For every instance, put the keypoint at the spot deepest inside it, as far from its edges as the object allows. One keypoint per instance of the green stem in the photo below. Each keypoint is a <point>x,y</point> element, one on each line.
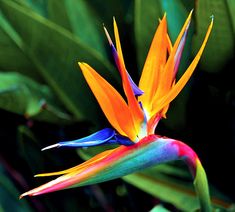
<point>201,187</point>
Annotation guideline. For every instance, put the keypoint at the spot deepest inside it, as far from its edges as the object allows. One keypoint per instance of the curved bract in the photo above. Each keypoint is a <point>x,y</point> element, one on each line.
<point>134,121</point>
<point>149,151</point>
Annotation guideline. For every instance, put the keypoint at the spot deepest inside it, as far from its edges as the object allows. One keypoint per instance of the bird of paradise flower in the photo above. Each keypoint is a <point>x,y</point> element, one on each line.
<point>134,121</point>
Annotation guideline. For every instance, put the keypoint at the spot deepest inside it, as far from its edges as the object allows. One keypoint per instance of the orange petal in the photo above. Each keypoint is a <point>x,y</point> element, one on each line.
<point>168,75</point>
<point>113,105</point>
<point>135,109</point>
<point>156,57</point>
<point>184,79</point>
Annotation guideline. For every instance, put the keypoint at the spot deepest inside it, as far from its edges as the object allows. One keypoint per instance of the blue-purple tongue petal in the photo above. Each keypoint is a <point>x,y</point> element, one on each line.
<point>134,87</point>
<point>137,91</point>
<point>94,139</point>
<point>105,136</point>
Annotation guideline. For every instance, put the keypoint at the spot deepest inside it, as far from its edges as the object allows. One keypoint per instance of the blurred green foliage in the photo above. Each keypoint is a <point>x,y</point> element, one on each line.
<point>48,100</point>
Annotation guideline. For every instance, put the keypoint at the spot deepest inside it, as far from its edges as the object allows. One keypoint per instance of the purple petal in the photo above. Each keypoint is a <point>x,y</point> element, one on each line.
<point>135,88</point>
<point>137,91</point>
<point>180,49</point>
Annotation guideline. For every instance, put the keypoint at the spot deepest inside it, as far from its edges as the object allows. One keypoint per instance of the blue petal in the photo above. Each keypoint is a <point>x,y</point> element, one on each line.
<point>94,139</point>
<point>121,140</point>
<point>124,140</point>
<point>105,136</point>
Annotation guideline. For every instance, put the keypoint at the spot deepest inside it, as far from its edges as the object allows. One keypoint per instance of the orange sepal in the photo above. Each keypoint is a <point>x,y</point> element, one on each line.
<point>175,90</point>
<point>135,109</point>
<point>167,75</point>
<point>156,58</point>
<point>111,102</point>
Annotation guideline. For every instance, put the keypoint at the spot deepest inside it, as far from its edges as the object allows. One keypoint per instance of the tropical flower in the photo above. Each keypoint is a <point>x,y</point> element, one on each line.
<point>134,121</point>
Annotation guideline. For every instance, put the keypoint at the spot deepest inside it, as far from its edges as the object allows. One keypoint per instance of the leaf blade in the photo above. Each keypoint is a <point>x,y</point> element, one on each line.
<point>21,95</point>
<point>65,47</point>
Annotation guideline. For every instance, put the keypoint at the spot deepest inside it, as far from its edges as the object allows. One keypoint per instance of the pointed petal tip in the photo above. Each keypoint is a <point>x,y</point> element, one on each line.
<point>83,66</point>
<point>212,18</point>
<point>190,15</point>
<point>50,147</point>
<point>108,36</point>
<point>38,175</point>
<point>23,195</point>
<point>80,64</point>
<point>29,193</point>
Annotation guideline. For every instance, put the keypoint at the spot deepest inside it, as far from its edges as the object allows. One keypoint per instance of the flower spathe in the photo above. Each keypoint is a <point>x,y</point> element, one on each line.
<point>134,121</point>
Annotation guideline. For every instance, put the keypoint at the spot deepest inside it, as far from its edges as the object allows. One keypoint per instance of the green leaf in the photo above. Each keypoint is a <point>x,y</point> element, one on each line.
<point>73,15</point>
<point>30,149</point>
<point>231,8</point>
<point>121,10</point>
<point>87,153</point>
<point>10,50</point>
<point>166,188</point>
<point>176,16</point>
<point>78,17</point>
<point>57,13</point>
<point>9,194</point>
<point>55,52</point>
<point>220,47</point>
<point>146,17</point>
<point>159,208</point>
<point>39,7</point>
<point>173,189</point>
<point>20,94</point>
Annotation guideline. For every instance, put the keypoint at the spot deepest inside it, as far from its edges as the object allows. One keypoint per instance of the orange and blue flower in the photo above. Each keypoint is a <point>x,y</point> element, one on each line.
<point>134,121</point>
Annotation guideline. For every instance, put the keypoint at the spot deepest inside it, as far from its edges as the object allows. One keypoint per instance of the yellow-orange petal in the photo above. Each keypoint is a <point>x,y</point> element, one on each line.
<point>76,174</point>
<point>169,44</point>
<point>155,59</point>
<point>164,101</point>
<point>79,167</point>
<point>117,41</point>
<point>111,102</point>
